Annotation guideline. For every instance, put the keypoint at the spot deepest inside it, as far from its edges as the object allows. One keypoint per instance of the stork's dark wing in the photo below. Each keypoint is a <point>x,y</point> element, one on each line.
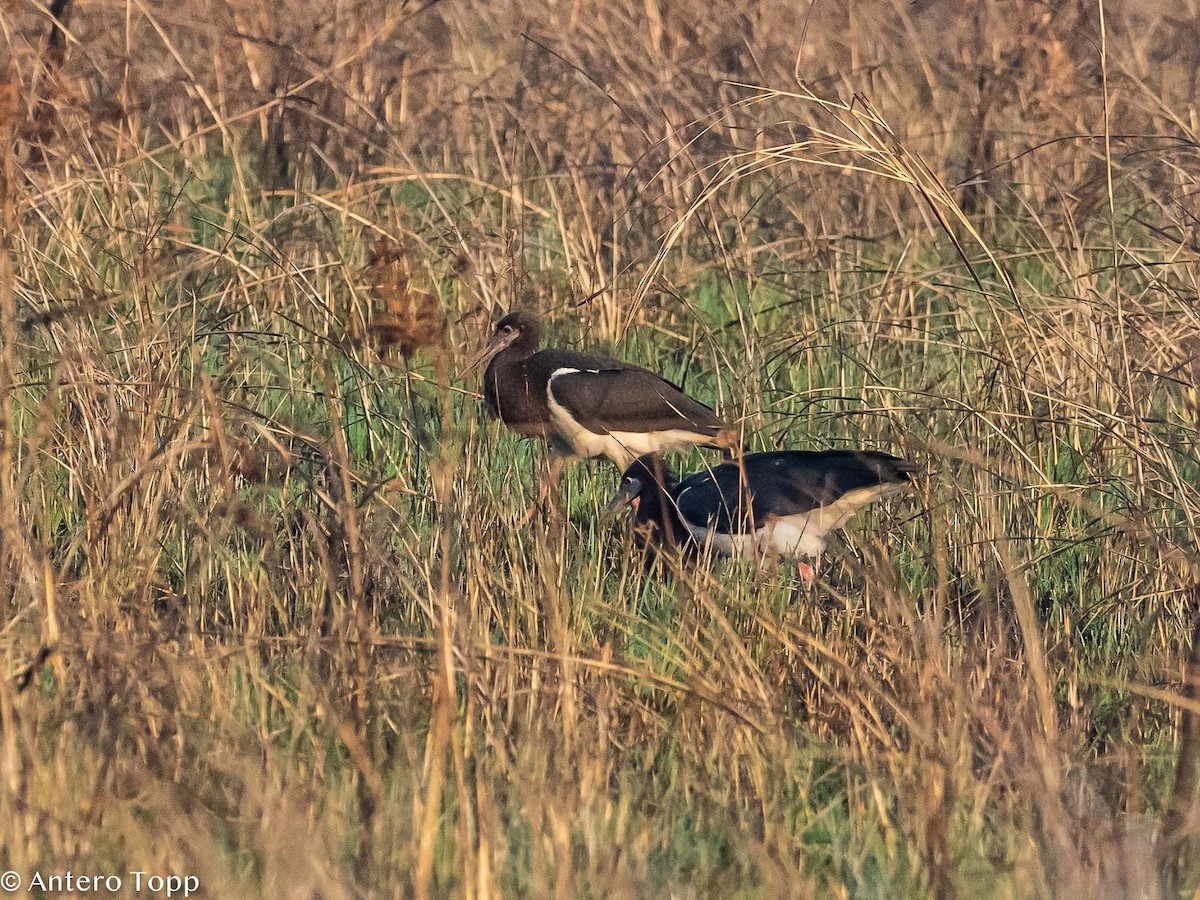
<point>605,396</point>
<point>783,483</point>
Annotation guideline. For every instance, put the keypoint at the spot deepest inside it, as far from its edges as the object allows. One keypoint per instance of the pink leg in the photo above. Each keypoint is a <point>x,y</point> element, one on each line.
<point>807,573</point>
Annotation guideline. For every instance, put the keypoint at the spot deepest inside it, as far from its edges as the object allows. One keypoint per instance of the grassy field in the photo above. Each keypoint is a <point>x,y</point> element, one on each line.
<point>269,615</point>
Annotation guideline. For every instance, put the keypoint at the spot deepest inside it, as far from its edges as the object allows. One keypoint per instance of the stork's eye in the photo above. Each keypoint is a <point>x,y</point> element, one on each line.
<point>507,329</point>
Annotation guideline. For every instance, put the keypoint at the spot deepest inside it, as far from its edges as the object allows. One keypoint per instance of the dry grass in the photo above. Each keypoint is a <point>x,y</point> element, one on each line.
<point>268,614</point>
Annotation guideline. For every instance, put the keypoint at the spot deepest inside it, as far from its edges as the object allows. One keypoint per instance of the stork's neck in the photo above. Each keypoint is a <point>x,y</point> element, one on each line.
<point>656,510</point>
<point>514,355</point>
<point>526,344</point>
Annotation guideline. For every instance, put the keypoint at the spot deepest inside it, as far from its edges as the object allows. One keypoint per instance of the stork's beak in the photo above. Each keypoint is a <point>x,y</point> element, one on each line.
<point>497,343</point>
<point>626,494</point>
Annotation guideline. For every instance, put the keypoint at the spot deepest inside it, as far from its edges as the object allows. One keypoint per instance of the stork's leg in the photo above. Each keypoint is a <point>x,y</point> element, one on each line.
<point>552,486</point>
<point>548,489</point>
<point>803,587</point>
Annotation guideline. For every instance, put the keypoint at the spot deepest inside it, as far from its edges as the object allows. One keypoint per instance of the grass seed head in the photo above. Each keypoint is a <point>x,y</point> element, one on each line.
<point>8,103</point>
<point>405,319</point>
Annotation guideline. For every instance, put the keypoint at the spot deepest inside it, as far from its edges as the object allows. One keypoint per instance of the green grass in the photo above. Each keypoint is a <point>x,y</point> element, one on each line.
<point>284,625</point>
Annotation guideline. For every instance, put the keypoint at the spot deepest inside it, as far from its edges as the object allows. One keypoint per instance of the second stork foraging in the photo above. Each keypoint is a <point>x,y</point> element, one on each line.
<point>587,406</point>
<point>779,504</point>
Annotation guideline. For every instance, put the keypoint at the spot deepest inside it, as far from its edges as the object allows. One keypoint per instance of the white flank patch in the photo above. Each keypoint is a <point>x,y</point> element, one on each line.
<point>793,536</point>
<point>622,447</point>
<point>802,535</point>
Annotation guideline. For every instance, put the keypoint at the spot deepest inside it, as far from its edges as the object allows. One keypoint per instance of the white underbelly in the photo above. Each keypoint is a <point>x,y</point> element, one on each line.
<point>622,447</point>
<point>793,536</point>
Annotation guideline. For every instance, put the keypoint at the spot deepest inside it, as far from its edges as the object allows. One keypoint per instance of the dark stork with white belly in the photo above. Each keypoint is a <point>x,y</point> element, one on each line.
<point>779,504</point>
<point>587,406</point>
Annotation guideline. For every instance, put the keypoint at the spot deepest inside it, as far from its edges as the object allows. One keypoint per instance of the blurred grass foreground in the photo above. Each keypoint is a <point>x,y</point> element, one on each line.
<point>269,615</point>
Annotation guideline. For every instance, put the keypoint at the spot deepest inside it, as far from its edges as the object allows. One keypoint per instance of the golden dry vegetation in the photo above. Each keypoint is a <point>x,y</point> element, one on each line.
<point>269,615</point>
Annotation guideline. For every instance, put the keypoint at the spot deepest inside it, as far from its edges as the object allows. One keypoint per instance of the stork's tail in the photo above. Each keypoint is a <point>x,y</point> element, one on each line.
<point>729,442</point>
